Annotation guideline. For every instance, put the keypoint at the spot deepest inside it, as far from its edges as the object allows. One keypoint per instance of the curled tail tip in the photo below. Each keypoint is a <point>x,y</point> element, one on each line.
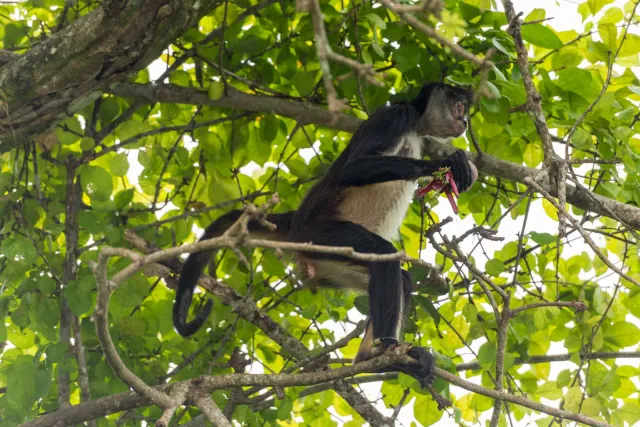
<point>186,329</point>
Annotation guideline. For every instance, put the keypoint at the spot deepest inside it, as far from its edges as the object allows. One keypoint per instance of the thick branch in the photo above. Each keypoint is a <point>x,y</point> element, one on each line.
<point>98,49</point>
<point>130,400</point>
<point>306,113</point>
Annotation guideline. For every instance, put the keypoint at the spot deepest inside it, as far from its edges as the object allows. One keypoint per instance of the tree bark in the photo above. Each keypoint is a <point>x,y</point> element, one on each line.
<point>305,113</point>
<point>60,74</point>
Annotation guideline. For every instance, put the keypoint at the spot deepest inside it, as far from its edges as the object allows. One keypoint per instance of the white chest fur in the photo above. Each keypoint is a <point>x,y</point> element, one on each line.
<point>380,208</point>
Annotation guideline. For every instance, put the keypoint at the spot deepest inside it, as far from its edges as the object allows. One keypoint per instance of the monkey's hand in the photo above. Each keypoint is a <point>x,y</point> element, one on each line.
<point>462,169</point>
<point>422,369</point>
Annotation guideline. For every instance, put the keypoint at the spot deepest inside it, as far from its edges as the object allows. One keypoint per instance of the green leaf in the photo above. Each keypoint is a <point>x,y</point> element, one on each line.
<point>20,248</point>
<point>487,354</point>
<point>269,127</point>
<point>494,267</point>
<point>572,399</point>
<point>624,334</point>
<point>536,15</point>
<point>591,407</point>
<point>132,326</point>
<point>79,295</point>
<point>574,79</point>
<point>109,109</point>
<point>609,34</point>
<point>361,303</point>
<point>425,410</point>
<point>542,36</point>
<point>630,412</point>
<point>132,129</point>
<point>376,20</point>
<point>216,90</point>
<point>613,15</point>
<point>87,143</point>
<point>21,394</point>
<point>596,5</point>
<point>533,155</point>
<point>631,46</point>
<point>305,81</point>
<point>501,48</point>
<point>284,409</point>
<point>96,183</point>
<point>123,198</point>
<point>429,307</point>
<point>119,164</point>
<point>542,238</point>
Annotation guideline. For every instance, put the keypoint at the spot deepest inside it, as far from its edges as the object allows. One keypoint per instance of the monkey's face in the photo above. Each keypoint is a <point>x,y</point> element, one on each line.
<point>447,111</point>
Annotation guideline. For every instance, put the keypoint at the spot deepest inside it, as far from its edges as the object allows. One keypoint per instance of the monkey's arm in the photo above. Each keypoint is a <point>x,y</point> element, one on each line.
<point>372,169</point>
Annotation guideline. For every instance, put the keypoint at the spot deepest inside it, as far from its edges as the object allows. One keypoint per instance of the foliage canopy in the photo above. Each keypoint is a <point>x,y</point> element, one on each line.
<point>163,154</point>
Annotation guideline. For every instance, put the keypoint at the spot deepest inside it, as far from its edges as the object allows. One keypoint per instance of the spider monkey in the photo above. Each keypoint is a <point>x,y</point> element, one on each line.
<point>360,203</point>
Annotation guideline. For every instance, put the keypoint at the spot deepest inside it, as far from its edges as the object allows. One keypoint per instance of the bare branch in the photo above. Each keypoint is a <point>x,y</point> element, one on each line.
<point>429,31</point>
<point>210,410</point>
<point>519,400</point>
<point>534,108</point>
<point>578,306</point>
<point>582,231</point>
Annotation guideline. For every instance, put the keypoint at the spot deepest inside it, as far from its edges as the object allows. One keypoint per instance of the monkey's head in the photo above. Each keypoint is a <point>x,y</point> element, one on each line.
<point>444,110</point>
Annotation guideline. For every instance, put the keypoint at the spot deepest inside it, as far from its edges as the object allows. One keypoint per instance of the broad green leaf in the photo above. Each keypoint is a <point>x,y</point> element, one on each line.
<point>631,45</point>
<point>542,238</point>
<point>487,354</point>
<point>87,143</point>
<point>96,183</point>
<point>624,334</point>
<point>572,399</point>
<point>494,267</point>
<point>19,248</point>
<point>540,35</point>
<point>216,90</point>
<point>550,210</point>
<point>361,303</point>
<point>79,295</point>
<point>425,410</point>
<point>269,127</point>
<point>304,81</point>
<point>613,15</point>
<point>123,198</point>
<point>429,307</point>
<point>119,164</point>
<point>536,15</point>
<point>630,412</point>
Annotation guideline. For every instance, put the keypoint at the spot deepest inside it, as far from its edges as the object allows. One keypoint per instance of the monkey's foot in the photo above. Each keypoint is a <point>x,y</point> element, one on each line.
<point>422,369</point>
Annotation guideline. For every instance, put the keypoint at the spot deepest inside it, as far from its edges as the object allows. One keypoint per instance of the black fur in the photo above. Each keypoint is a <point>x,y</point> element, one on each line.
<point>196,262</point>
<point>316,220</point>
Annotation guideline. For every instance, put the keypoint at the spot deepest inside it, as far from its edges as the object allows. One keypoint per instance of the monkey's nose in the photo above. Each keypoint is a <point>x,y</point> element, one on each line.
<point>466,123</point>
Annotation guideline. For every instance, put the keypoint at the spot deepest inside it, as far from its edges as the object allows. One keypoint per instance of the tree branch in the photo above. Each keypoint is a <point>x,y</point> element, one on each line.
<point>585,235</point>
<point>534,108</point>
<point>306,113</point>
<point>102,47</point>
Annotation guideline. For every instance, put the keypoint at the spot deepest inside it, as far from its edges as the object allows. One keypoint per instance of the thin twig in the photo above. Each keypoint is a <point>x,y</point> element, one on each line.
<point>581,230</point>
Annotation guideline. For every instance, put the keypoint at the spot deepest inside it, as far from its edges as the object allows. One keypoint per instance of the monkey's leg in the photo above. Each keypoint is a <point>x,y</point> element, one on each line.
<point>389,293</point>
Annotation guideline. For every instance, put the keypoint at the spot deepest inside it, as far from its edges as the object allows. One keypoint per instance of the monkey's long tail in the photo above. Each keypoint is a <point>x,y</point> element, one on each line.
<point>192,269</point>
